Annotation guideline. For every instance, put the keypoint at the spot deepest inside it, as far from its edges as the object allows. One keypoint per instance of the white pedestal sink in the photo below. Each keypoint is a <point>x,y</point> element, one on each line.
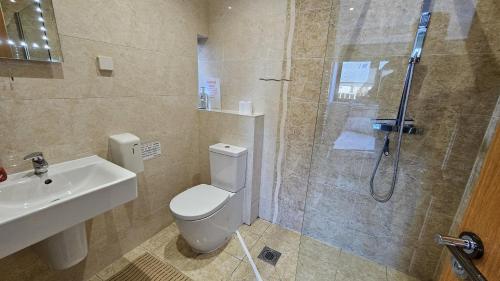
<point>52,208</point>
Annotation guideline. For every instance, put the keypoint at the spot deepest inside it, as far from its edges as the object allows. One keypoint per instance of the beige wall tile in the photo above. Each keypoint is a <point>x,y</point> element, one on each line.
<point>68,111</point>
<point>311,33</point>
<point>245,43</point>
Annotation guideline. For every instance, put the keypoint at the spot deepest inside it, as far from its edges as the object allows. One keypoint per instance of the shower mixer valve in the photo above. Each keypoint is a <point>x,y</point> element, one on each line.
<point>389,125</point>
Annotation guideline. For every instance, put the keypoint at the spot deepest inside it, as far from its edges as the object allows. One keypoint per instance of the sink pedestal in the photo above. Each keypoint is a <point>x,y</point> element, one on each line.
<point>65,249</point>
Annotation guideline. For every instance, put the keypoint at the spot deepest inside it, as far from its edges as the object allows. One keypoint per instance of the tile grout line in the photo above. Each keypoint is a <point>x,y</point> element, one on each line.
<point>234,270</point>
<point>242,261</point>
<point>114,44</point>
<point>335,276</point>
<point>96,276</point>
<point>99,97</point>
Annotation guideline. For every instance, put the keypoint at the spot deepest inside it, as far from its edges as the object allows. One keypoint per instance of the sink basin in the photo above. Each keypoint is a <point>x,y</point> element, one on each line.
<point>33,208</point>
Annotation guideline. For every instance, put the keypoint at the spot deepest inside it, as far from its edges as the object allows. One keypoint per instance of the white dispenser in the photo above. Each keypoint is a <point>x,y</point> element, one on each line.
<point>126,152</point>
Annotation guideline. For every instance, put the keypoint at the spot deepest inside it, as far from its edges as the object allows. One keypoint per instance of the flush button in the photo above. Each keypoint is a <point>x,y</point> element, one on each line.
<point>227,146</point>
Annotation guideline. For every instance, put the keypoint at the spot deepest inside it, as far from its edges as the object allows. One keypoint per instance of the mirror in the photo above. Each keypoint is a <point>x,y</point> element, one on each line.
<point>28,31</point>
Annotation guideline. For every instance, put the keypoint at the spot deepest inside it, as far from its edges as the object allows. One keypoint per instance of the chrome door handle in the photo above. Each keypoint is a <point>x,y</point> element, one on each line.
<point>466,244</point>
<point>464,249</point>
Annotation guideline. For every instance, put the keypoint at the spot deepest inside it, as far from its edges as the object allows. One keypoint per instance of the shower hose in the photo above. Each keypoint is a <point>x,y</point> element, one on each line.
<point>399,126</point>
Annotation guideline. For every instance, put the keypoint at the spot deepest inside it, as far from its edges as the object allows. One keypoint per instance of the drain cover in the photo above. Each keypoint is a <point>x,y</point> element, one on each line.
<point>269,255</point>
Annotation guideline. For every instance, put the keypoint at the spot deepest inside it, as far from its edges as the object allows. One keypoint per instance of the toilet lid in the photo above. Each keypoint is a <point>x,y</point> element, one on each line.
<point>198,202</point>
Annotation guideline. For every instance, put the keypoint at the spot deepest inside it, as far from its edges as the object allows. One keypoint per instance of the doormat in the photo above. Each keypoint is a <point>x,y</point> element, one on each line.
<point>149,268</point>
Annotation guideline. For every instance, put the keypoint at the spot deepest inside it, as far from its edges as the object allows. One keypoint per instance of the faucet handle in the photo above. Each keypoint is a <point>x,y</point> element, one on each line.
<point>35,156</point>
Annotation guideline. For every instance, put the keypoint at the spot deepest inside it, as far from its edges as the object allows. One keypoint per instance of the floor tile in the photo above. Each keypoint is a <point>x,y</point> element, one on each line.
<point>284,241</point>
<point>162,238</point>
<point>302,259</point>
<point>394,275</point>
<point>317,261</point>
<point>258,227</point>
<point>120,264</point>
<point>283,237</point>
<point>214,267</point>
<point>353,268</point>
<point>217,266</point>
<point>234,247</point>
<point>244,272</point>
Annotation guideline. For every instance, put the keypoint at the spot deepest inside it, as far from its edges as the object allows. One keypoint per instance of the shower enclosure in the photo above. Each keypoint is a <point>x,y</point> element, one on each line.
<point>349,60</point>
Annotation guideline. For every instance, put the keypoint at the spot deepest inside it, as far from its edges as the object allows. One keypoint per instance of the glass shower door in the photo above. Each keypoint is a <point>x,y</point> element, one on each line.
<point>362,48</point>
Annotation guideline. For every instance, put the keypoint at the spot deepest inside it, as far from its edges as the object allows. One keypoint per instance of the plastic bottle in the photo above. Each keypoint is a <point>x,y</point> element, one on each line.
<point>203,99</point>
<point>3,173</point>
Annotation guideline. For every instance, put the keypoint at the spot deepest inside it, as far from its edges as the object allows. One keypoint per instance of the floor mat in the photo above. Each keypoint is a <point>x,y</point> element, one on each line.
<point>149,268</point>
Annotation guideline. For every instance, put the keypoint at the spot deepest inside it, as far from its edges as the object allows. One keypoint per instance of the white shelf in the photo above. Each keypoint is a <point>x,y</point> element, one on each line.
<point>234,112</point>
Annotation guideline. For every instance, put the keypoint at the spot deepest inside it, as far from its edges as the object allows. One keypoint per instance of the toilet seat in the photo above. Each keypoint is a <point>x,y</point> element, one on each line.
<point>199,202</point>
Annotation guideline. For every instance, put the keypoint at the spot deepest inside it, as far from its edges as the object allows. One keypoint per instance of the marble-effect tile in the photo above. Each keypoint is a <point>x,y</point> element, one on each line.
<point>78,107</point>
<point>452,105</point>
<point>303,258</point>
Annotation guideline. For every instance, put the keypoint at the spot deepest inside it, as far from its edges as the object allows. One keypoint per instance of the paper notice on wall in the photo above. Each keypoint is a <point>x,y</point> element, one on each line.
<point>213,92</point>
<point>151,150</point>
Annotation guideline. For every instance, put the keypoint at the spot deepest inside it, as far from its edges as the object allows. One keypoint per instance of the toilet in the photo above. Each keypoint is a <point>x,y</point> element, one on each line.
<point>208,215</point>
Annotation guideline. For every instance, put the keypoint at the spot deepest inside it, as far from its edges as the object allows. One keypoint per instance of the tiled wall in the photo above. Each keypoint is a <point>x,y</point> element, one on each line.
<point>68,110</point>
<point>331,147</point>
<point>241,130</point>
<point>246,42</point>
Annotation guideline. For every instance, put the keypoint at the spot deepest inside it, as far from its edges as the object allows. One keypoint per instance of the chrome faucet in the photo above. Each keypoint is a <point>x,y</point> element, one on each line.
<point>39,164</point>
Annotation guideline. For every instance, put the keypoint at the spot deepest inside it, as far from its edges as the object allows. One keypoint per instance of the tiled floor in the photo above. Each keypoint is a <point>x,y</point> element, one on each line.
<point>302,258</point>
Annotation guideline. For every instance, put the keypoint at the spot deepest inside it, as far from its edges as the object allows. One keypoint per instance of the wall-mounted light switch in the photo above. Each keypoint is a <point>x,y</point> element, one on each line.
<point>105,63</point>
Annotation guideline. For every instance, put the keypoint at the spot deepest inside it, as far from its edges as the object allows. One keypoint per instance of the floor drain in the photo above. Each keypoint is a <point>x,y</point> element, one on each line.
<point>269,255</point>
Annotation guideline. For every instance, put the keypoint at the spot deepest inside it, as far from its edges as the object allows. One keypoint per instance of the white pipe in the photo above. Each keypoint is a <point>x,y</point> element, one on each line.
<point>245,249</point>
<point>281,152</point>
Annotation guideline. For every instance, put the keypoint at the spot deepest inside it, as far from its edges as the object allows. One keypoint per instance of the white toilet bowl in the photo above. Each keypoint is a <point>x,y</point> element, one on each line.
<point>207,216</point>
